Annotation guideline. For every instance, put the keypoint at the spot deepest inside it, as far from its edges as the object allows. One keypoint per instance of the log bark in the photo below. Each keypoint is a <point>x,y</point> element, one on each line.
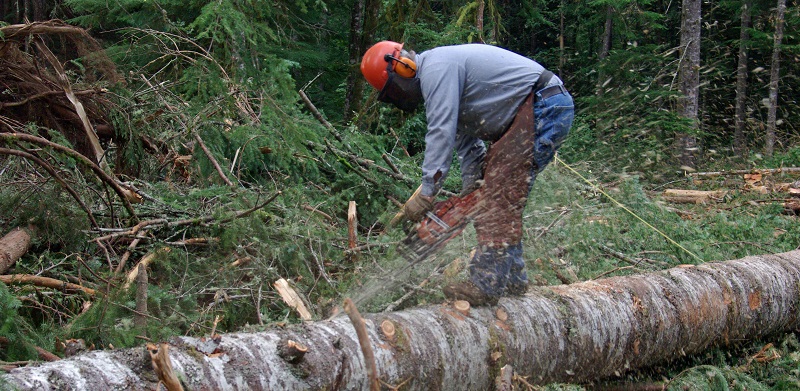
<point>13,246</point>
<point>681,196</point>
<point>46,282</point>
<point>567,333</point>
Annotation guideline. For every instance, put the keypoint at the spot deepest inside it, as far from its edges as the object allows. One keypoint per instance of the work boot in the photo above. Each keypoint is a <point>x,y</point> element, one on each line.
<point>518,276</point>
<point>470,292</point>
<point>488,276</point>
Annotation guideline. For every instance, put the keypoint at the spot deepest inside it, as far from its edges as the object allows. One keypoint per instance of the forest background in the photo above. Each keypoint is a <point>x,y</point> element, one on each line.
<point>245,131</point>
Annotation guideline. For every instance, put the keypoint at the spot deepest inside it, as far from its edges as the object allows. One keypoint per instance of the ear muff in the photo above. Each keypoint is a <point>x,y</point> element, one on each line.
<point>405,67</point>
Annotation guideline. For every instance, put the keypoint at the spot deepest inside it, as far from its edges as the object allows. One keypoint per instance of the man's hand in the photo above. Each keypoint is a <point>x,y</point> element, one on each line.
<point>416,207</point>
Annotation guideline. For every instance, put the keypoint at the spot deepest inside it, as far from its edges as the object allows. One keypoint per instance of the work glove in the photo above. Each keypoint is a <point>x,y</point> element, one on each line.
<point>416,207</point>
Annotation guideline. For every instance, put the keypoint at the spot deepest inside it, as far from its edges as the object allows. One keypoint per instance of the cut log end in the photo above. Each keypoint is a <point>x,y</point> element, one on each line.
<point>501,315</point>
<point>388,329</point>
<point>462,306</point>
<point>292,351</point>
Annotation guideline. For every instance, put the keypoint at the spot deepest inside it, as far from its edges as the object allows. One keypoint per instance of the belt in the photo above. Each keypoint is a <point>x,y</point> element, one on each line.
<point>550,91</point>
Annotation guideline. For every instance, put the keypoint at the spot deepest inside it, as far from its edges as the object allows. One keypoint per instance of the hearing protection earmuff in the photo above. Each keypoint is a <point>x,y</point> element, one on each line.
<point>407,66</point>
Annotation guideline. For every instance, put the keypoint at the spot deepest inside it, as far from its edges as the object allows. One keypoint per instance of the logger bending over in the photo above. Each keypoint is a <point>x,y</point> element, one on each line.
<point>475,93</point>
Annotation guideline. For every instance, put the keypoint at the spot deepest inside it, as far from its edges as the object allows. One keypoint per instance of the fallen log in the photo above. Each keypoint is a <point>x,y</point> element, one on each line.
<point>13,246</point>
<point>763,171</point>
<point>567,333</point>
<point>680,196</point>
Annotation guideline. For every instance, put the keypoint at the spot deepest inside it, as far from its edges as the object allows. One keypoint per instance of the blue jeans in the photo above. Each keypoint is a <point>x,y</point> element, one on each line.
<point>499,271</point>
<point>554,117</point>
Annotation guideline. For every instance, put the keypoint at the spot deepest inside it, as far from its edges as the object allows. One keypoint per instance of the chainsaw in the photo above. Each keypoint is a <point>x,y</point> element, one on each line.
<point>445,221</point>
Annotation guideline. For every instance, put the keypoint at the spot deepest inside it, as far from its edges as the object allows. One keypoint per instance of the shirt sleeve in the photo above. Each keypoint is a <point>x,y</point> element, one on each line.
<point>442,85</point>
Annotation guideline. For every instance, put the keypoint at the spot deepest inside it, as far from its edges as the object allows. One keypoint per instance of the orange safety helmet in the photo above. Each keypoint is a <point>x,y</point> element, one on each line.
<point>383,57</point>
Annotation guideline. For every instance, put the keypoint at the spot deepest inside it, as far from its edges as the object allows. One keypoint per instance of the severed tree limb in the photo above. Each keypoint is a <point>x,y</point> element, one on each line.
<point>45,355</point>
<point>576,333</point>
<point>291,298</point>
<point>366,163</point>
<point>390,163</point>
<point>693,196</point>
<point>44,94</point>
<point>144,262</point>
<point>140,318</point>
<point>22,31</point>
<point>63,80</point>
<point>13,246</point>
<point>352,229</point>
<point>104,177</point>
<point>162,365</point>
<point>176,223</point>
<point>319,212</point>
<point>213,160</point>
<point>50,170</point>
<point>316,113</point>
<point>47,282</point>
<point>363,340</point>
<point>200,242</point>
<point>124,259</point>
<point>755,170</point>
<point>313,109</point>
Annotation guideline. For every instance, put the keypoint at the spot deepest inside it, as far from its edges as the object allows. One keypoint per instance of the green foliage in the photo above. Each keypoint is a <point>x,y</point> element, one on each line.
<point>13,327</point>
<point>707,377</point>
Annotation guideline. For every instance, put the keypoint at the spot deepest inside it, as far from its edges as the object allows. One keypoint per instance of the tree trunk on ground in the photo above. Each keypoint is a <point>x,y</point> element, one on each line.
<point>567,333</point>
<point>13,246</point>
<point>689,74</point>
<point>774,76</point>
<point>739,140</point>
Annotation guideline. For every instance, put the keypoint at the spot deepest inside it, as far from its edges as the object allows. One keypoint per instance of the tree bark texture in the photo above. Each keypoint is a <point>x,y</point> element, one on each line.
<point>605,48</point>
<point>689,75</point>
<point>13,246</point>
<point>567,333</point>
<point>739,140</point>
<point>355,49</point>
<point>774,77</point>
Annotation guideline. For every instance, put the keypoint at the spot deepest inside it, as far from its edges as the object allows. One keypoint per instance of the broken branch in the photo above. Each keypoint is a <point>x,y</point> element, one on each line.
<point>213,160</point>
<point>291,298</point>
<point>363,340</point>
<point>47,282</point>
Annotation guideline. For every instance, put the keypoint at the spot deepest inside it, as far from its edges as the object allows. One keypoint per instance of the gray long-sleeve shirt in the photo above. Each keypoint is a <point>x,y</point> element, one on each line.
<point>471,93</point>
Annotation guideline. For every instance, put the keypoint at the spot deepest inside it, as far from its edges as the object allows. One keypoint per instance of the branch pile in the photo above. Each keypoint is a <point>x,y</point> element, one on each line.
<point>36,89</point>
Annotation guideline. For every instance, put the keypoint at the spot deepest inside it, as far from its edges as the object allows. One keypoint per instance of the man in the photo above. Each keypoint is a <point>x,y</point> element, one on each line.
<point>475,93</point>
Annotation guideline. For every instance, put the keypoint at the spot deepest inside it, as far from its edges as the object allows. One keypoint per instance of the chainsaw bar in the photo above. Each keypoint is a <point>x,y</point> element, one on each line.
<point>415,249</point>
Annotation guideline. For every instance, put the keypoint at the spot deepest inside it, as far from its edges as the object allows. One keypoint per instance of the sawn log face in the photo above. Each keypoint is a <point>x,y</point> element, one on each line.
<point>567,333</point>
